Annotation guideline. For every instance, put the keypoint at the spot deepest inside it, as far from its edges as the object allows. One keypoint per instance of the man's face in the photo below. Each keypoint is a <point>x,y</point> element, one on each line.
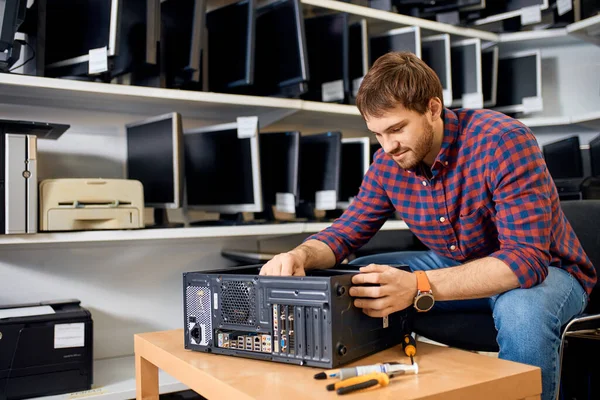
<point>406,136</point>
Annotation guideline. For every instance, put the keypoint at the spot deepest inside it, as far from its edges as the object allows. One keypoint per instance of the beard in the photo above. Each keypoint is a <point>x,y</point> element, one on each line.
<point>422,147</point>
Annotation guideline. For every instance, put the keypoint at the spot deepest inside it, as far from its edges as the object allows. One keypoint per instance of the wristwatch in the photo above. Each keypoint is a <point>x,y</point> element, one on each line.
<point>424,299</point>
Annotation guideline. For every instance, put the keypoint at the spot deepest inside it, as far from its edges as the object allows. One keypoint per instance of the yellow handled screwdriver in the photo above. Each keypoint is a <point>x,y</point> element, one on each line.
<point>361,382</point>
<point>409,345</point>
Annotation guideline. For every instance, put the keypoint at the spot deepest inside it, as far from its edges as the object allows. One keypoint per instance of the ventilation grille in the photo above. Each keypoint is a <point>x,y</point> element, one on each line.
<point>199,312</point>
<point>238,303</point>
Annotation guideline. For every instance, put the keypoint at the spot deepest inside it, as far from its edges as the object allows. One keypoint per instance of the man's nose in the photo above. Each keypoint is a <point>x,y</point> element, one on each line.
<point>390,146</point>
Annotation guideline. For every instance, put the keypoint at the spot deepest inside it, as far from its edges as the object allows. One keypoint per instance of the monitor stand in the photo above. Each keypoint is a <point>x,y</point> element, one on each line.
<point>311,214</point>
<point>161,220</point>
<point>226,220</point>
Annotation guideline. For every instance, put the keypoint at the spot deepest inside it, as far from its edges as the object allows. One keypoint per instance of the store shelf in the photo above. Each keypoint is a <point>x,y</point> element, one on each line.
<point>393,225</point>
<point>587,29</point>
<point>114,379</point>
<point>536,39</point>
<point>535,122</point>
<point>399,19</point>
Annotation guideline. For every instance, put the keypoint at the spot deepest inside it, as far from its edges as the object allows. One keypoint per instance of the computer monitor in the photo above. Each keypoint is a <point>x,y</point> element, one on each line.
<point>327,46</point>
<point>467,90</point>
<point>563,158</point>
<point>155,158</point>
<point>401,39</point>
<point>12,15</point>
<point>358,55</point>
<point>279,164</point>
<point>436,53</point>
<point>128,29</point>
<point>513,5</point>
<point>489,76</point>
<point>355,161</point>
<point>520,82</point>
<point>320,170</point>
<point>222,168</point>
<point>281,67</point>
<point>231,32</point>
<point>182,39</point>
<point>595,156</point>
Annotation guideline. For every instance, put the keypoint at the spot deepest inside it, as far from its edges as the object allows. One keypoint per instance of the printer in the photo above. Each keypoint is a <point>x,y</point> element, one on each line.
<point>74,204</point>
<point>18,173</point>
<point>45,349</point>
<point>578,188</point>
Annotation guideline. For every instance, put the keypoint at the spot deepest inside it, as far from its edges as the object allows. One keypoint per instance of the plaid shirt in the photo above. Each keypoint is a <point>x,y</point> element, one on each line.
<point>490,195</point>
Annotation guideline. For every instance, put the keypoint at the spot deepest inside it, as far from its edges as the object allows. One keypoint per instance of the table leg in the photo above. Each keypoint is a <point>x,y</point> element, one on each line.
<point>146,379</point>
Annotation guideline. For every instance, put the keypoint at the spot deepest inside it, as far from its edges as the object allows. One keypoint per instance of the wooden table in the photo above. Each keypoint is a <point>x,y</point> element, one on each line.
<point>444,373</point>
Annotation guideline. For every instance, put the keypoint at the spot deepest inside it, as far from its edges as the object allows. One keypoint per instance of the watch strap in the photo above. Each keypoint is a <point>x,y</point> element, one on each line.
<point>422,282</point>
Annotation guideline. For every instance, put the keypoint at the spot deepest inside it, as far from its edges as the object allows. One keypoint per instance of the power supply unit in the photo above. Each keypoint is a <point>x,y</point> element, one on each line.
<point>309,320</point>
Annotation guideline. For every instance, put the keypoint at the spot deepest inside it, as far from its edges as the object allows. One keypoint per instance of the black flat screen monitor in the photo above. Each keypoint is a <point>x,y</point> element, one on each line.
<point>520,82</point>
<point>489,76</point>
<point>281,67</point>
<point>401,39</point>
<point>435,51</point>
<point>355,161</point>
<point>182,37</point>
<point>231,31</point>
<point>327,40</point>
<point>466,73</point>
<point>279,164</point>
<point>155,158</point>
<point>595,156</point>
<point>222,167</point>
<point>358,54</point>
<point>564,159</point>
<point>320,169</point>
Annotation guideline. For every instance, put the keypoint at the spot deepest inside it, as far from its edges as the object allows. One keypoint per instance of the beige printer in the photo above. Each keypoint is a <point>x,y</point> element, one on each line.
<point>91,204</point>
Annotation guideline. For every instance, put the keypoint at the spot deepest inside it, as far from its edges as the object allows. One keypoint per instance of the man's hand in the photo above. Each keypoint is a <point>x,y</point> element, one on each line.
<point>284,264</point>
<point>396,292</point>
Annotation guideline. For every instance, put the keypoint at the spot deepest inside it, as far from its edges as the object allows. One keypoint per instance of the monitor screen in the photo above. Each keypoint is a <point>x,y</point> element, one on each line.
<point>466,68</point>
<point>519,76</point>
<point>319,165</point>
<point>513,5</point>
<point>154,151</point>
<point>489,76</point>
<point>222,170</point>
<point>281,58</point>
<point>181,39</point>
<point>401,39</point>
<point>436,53</point>
<point>355,161</point>
<point>595,156</point>
<point>327,46</point>
<point>564,159</point>
<point>279,158</point>
<point>231,46</point>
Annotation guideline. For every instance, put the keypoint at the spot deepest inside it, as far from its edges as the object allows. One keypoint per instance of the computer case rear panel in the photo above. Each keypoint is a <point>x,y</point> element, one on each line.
<point>298,320</point>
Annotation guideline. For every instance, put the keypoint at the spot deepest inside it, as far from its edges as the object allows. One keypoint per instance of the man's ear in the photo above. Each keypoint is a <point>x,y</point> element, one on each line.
<point>435,106</point>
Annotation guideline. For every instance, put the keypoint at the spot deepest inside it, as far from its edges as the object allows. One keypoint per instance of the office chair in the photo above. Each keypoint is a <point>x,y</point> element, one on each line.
<point>476,331</point>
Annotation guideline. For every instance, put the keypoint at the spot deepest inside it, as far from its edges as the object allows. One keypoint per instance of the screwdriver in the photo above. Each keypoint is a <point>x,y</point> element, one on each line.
<point>409,346</point>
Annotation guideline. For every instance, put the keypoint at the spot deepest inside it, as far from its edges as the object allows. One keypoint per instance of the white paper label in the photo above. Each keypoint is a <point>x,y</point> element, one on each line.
<point>98,61</point>
<point>26,311</point>
<point>472,100</point>
<point>332,91</point>
<point>532,104</point>
<point>356,85</point>
<point>564,6</point>
<point>531,15</point>
<point>447,98</point>
<point>216,301</point>
<point>326,200</point>
<point>86,393</point>
<point>247,127</point>
<point>386,322</point>
<point>285,202</point>
<point>69,335</point>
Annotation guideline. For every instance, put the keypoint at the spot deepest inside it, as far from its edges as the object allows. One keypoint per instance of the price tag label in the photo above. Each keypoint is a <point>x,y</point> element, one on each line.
<point>532,104</point>
<point>472,100</point>
<point>332,91</point>
<point>531,15</point>
<point>564,6</point>
<point>69,335</point>
<point>326,200</point>
<point>98,61</point>
<point>247,127</point>
<point>285,202</point>
<point>356,85</point>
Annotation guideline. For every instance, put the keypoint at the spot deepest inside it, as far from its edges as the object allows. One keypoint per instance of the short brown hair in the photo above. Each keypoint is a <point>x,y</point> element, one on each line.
<point>398,78</point>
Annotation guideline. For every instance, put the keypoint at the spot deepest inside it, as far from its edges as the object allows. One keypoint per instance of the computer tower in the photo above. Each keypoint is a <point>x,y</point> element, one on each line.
<point>309,320</point>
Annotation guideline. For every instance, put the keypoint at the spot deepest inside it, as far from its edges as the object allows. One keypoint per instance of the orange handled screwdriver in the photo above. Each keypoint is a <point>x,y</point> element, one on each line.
<point>360,382</point>
<point>409,345</point>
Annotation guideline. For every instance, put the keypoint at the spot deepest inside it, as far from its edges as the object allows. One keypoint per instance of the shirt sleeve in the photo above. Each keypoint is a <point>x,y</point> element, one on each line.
<point>363,218</point>
<point>522,192</point>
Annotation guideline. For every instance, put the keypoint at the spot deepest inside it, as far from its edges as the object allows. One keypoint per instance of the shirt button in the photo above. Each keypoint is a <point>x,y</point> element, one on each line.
<point>442,219</point>
<point>424,183</point>
<point>445,162</point>
<point>453,247</point>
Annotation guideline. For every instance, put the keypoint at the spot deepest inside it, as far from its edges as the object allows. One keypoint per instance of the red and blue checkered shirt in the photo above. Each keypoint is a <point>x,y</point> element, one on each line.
<point>490,195</point>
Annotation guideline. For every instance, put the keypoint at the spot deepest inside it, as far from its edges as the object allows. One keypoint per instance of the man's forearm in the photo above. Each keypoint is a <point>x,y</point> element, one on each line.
<point>315,255</point>
<point>480,278</point>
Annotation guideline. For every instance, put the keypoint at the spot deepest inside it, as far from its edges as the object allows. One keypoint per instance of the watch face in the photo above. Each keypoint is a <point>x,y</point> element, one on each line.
<point>424,302</point>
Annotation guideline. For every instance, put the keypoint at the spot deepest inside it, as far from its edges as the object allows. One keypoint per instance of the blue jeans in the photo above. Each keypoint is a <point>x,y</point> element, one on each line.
<point>528,321</point>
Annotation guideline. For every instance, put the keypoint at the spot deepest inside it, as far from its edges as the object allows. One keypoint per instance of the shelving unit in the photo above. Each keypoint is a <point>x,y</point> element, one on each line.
<point>587,29</point>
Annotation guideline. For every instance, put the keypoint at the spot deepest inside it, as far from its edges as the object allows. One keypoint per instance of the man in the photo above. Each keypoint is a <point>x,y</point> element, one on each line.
<point>473,186</point>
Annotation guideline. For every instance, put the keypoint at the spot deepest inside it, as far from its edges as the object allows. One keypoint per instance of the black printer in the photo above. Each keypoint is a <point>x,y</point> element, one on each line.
<point>45,349</point>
